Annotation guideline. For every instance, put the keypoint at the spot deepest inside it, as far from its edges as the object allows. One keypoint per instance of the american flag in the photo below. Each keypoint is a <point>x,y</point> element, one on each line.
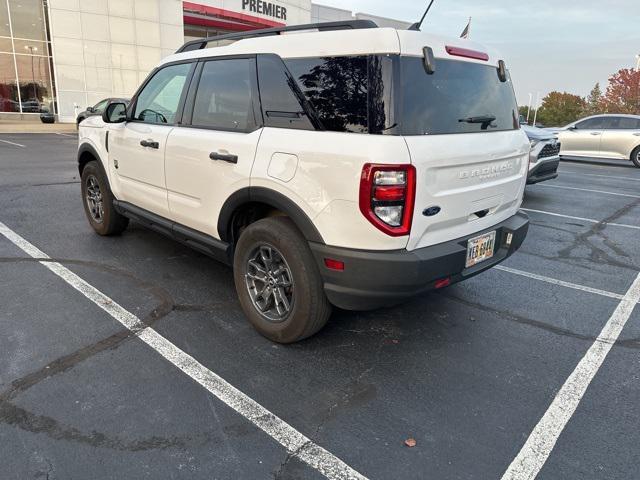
<point>467,30</point>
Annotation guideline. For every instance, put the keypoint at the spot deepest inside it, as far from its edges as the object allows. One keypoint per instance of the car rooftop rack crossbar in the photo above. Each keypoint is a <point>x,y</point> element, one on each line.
<point>321,27</point>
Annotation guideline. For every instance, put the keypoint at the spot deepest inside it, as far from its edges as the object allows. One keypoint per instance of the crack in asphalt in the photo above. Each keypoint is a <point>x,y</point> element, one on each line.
<point>632,343</point>
<point>13,415</point>
<point>599,255</point>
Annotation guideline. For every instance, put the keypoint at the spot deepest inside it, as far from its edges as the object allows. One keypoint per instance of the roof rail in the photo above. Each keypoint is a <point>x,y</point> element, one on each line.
<point>321,27</point>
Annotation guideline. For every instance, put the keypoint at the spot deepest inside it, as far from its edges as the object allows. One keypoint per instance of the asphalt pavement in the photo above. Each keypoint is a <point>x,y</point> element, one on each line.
<point>519,369</point>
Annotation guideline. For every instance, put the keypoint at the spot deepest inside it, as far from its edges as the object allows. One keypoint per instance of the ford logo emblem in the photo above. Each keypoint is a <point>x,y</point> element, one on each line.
<point>431,211</point>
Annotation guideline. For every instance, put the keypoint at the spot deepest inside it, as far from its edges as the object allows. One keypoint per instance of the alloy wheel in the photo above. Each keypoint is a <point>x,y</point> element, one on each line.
<point>94,199</point>
<point>270,283</point>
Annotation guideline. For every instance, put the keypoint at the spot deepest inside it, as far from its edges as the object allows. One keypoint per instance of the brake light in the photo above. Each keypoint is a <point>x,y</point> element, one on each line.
<point>466,53</point>
<point>387,196</point>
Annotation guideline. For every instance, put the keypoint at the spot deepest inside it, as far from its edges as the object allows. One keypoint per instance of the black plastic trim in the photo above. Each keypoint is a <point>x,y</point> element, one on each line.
<point>201,242</point>
<point>269,197</point>
<point>374,279</point>
<point>84,148</point>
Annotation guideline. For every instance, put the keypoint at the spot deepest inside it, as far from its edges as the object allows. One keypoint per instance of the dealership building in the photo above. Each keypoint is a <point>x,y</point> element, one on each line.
<point>64,55</point>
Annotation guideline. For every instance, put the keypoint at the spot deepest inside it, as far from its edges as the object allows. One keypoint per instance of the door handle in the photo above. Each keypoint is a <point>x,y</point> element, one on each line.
<point>150,144</point>
<point>225,157</point>
<point>596,133</point>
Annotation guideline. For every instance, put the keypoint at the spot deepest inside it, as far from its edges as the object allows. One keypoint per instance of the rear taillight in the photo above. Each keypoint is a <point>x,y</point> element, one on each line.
<point>387,195</point>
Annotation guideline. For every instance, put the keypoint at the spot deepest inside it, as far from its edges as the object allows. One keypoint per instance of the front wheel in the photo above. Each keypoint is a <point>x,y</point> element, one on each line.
<point>98,202</point>
<point>635,157</point>
<point>278,282</point>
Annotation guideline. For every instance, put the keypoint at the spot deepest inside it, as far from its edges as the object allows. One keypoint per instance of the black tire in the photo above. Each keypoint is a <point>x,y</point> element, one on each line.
<point>105,220</point>
<point>635,157</point>
<point>309,308</point>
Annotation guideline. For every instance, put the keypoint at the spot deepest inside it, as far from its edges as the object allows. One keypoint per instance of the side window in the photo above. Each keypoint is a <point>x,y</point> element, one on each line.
<point>280,105</point>
<point>225,95</point>
<point>99,107</point>
<point>337,88</point>
<point>629,123</point>
<point>159,100</point>
<point>591,124</point>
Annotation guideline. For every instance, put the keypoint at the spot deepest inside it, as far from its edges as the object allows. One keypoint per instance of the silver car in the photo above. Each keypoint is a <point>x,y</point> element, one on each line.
<point>544,157</point>
<point>603,136</point>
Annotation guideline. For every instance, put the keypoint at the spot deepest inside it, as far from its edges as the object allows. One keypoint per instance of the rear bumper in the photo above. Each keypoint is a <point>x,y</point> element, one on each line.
<point>546,169</point>
<point>374,279</point>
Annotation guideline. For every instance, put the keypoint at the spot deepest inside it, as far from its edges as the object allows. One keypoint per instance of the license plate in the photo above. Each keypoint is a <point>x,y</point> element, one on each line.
<point>480,248</point>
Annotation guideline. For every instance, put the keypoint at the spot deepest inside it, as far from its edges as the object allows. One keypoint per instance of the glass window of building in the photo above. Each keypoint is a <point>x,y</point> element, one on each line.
<point>26,82</point>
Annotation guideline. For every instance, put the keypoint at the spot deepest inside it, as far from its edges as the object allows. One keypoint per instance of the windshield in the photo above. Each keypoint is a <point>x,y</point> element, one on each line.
<point>459,97</point>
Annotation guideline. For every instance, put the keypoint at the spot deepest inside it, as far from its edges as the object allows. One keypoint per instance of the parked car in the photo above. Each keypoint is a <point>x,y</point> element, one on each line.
<point>46,116</point>
<point>544,157</point>
<point>301,161</point>
<point>603,136</point>
<point>98,108</point>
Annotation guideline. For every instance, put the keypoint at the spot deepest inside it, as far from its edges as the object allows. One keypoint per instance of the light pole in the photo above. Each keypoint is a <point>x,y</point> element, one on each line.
<point>33,75</point>
<point>638,62</point>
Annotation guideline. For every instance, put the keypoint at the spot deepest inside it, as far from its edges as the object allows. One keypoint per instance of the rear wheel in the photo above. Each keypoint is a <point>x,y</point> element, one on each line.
<point>278,282</point>
<point>98,202</point>
<point>635,157</point>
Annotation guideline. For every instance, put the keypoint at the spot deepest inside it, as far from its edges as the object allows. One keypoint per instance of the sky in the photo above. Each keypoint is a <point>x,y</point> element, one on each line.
<point>564,45</point>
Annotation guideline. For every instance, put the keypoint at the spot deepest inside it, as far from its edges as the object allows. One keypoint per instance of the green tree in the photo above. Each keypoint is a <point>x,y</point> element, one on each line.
<point>594,101</point>
<point>560,108</point>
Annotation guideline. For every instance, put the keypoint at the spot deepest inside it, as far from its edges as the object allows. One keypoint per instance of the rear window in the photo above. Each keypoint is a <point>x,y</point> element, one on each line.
<point>337,88</point>
<point>459,97</point>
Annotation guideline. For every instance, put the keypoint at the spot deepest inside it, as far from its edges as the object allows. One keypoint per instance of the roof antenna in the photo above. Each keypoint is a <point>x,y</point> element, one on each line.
<point>416,26</point>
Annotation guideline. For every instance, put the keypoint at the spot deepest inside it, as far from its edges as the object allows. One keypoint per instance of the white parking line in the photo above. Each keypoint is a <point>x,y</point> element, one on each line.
<point>560,283</point>
<point>589,190</point>
<point>544,436</point>
<point>296,443</point>
<point>631,179</point>
<point>65,135</point>
<point>12,143</point>
<point>589,220</point>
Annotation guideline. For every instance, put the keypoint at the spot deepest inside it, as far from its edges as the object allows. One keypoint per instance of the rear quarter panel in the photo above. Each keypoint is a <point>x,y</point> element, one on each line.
<point>326,182</point>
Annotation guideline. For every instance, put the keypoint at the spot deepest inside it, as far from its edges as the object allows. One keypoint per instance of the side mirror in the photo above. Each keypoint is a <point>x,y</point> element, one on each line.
<point>115,113</point>
<point>572,127</point>
<point>90,109</point>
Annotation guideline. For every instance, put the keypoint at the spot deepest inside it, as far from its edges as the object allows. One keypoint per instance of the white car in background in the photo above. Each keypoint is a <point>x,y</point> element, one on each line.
<point>603,136</point>
<point>544,157</point>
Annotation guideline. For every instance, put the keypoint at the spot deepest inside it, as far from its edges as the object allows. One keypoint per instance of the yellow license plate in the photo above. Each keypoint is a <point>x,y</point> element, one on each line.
<point>480,248</point>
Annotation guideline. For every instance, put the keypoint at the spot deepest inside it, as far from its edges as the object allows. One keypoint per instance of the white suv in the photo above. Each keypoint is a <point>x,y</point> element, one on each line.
<point>333,164</point>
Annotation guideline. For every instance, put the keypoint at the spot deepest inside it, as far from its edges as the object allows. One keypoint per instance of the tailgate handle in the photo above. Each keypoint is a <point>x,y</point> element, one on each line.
<point>482,213</point>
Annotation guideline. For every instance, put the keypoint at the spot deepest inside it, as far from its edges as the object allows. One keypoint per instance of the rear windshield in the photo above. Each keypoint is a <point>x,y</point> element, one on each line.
<point>390,95</point>
<point>459,97</point>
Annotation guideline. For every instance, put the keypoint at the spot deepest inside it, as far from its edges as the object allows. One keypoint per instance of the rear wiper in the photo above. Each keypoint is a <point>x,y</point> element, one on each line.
<point>485,120</point>
<point>478,119</point>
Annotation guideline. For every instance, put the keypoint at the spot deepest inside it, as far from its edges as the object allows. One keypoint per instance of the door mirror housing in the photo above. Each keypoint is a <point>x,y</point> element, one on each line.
<point>115,112</point>
<point>572,127</point>
<point>90,109</point>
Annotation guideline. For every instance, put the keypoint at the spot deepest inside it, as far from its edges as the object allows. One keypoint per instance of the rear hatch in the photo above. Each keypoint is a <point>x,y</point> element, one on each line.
<point>461,127</point>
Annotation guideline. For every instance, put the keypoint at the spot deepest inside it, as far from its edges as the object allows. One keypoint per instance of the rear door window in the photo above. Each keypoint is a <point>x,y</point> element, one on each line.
<point>225,96</point>
<point>459,97</point>
<point>628,123</point>
<point>279,95</point>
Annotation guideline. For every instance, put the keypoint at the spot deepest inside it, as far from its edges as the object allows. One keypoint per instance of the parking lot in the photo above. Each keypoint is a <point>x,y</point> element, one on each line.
<point>129,357</point>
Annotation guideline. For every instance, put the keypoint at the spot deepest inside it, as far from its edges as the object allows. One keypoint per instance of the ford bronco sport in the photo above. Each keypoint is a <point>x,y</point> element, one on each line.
<point>331,165</point>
